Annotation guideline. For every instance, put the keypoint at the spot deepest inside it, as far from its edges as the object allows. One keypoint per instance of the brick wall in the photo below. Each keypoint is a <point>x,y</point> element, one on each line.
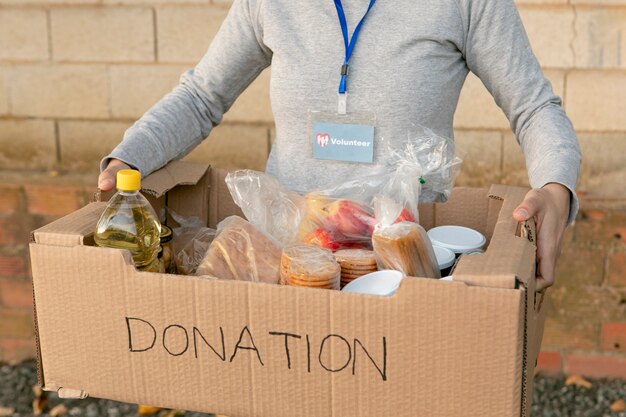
<point>74,74</point>
<point>25,207</point>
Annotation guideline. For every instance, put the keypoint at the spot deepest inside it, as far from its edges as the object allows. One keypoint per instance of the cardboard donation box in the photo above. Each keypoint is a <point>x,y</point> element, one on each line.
<point>435,348</point>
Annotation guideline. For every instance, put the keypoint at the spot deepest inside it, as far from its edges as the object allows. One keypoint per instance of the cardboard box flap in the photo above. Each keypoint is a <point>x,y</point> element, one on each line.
<point>506,264</point>
<point>221,204</point>
<point>465,207</point>
<point>508,254</point>
<point>511,197</point>
<point>175,173</point>
<point>72,229</point>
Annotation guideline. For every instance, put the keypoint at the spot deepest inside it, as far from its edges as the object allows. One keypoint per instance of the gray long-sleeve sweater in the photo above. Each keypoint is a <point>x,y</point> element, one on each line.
<point>409,65</point>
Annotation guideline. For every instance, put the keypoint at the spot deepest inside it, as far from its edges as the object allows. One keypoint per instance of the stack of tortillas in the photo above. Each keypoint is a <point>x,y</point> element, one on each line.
<point>355,263</point>
<point>309,266</point>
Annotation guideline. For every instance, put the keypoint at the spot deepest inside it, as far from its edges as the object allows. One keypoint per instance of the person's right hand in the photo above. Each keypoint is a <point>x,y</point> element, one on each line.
<point>106,180</point>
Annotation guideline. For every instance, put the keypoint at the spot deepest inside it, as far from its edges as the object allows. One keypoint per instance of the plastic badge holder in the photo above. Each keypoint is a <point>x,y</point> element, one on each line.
<point>459,239</point>
<point>383,283</point>
<point>445,259</point>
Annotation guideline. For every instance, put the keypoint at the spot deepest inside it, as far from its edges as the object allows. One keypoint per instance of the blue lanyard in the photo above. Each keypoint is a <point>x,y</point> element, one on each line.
<point>349,45</point>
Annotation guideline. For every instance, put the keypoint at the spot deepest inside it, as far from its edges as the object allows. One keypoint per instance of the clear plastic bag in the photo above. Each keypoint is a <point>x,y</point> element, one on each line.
<point>309,266</point>
<point>423,170</point>
<point>184,222</point>
<point>406,247</point>
<point>336,223</point>
<point>268,205</point>
<point>427,159</point>
<point>190,245</point>
<point>313,253</point>
<point>241,252</point>
<point>344,216</point>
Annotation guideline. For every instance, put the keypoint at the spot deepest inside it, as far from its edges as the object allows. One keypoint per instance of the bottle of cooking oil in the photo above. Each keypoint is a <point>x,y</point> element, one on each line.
<point>129,222</point>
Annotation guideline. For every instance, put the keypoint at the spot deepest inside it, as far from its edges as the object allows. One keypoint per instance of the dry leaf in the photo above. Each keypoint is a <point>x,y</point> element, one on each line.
<point>146,410</point>
<point>618,406</point>
<point>38,405</point>
<point>6,411</point>
<point>578,380</point>
<point>40,401</point>
<point>58,411</point>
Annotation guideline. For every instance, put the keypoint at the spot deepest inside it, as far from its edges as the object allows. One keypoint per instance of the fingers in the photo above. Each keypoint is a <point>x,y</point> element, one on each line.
<point>547,255</point>
<point>549,234</point>
<point>540,204</point>
<point>106,179</point>
<point>531,206</point>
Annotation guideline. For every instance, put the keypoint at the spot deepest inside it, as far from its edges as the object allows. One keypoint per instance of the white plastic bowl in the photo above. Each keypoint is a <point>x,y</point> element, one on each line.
<point>458,239</point>
<point>384,283</point>
<point>445,257</point>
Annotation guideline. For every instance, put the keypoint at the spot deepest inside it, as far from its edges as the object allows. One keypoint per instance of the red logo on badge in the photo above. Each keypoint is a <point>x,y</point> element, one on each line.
<point>323,139</point>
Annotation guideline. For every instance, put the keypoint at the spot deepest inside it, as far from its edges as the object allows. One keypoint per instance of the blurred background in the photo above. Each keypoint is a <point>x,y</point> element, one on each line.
<point>75,74</point>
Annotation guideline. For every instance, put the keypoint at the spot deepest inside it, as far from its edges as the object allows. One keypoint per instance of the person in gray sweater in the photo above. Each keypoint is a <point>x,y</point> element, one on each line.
<point>408,67</point>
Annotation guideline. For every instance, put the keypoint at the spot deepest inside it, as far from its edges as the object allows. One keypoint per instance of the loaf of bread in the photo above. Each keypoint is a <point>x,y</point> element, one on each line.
<point>241,252</point>
<point>406,247</point>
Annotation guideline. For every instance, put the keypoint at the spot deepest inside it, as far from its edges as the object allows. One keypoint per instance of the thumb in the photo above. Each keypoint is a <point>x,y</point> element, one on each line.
<point>528,208</point>
<point>106,180</point>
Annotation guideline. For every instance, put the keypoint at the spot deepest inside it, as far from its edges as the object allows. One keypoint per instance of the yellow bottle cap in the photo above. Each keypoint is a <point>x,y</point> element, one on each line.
<point>128,180</point>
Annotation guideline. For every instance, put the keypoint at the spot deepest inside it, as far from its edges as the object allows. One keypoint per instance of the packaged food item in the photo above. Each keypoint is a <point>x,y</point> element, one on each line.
<point>336,223</point>
<point>129,221</point>
<point>406,247</point>
<point>301,251</point>
<point>241,252</point>
<point>445,259</point>
<point>310,266</point>
<point>355,263</point>
<point>460,240</point>
<point>190,246</point>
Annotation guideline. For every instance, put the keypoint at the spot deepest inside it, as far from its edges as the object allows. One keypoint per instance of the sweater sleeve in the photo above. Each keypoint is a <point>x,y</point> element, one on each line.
<point>184,117</point>
<point>497,50</point>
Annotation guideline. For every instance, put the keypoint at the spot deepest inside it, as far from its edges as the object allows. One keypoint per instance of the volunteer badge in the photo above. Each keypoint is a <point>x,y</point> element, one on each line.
<point>343,142</point>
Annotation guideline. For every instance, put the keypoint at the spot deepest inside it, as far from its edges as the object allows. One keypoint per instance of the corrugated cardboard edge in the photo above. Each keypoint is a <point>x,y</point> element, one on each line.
<point>506,244</point>
<point>40,376</point>
<point>41,381</point>
<point>70,230</point>
<point>160,182</point>
<point>173,174</point>
<point>80,224</point>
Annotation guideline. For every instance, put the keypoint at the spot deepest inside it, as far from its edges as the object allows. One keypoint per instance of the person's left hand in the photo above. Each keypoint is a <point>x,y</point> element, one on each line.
<point>549,206</point>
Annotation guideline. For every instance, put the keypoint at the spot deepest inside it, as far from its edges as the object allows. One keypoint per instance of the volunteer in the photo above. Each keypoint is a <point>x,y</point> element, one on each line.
<point>383,64</point>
